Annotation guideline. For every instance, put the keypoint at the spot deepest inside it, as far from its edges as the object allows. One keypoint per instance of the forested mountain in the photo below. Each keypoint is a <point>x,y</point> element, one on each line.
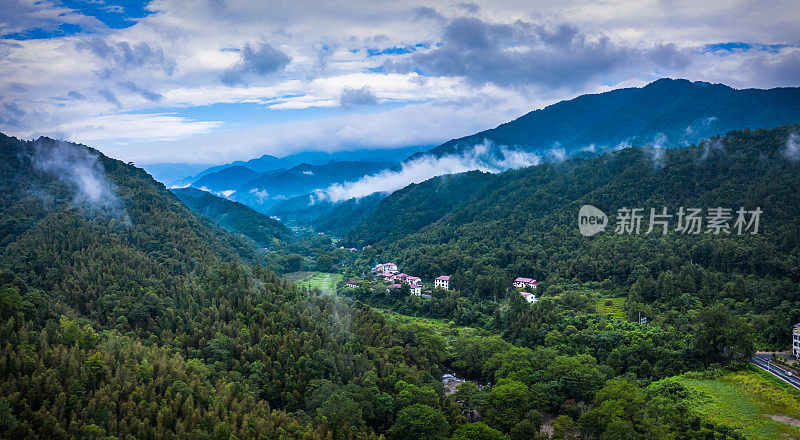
<point>260,191</point>
<point>416,206</point>
<point>233,216</point>
<point>675,112</point>
<point>226,179</point>
<point>324,215</point>
<point>125,315</point>
<point>524,223</point>
<point>268,162</point>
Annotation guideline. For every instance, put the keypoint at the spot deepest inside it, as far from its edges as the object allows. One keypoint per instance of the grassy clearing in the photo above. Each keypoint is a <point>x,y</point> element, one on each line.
<point>615,308</point>
<point>746,401</point>
<point>325,282</point>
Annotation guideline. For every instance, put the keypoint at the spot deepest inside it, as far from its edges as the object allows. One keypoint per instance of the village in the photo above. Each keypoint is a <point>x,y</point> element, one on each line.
<point>388,274</point>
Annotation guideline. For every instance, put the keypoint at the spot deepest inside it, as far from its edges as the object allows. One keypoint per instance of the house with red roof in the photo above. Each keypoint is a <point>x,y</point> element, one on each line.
<point>523,283</point>
<point>442,282</point>
<point>414,281</point>
<point>529,297</point>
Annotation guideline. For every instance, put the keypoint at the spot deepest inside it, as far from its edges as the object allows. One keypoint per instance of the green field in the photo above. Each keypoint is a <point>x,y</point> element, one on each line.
<point>748,401</point>
<point>615,309</point>
<point>324,281</point>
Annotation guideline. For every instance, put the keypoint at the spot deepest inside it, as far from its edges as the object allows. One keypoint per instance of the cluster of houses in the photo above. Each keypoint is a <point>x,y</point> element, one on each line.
<point>395,280</point>
<point>526,283</point>
<point>389,273</point>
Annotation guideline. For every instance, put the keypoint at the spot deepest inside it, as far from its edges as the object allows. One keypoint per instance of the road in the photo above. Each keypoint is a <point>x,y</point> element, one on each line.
<point>760,360</point>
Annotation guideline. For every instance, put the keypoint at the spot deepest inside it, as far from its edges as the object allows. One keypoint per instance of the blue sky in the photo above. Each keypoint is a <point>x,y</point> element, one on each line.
<point>219,80</point>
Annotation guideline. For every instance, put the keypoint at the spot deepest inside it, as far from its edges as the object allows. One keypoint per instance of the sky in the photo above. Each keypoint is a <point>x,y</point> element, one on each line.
<point>219,80</point>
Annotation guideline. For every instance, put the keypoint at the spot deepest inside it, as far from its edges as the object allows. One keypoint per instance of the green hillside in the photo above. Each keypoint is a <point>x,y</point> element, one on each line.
<point>233,216</point>
<point>125,315</point>
<point>524,223</point>
<point>678,112</point>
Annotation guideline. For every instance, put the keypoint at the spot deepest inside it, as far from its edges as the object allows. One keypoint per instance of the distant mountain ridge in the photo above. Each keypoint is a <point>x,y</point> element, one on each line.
<point>260,191</point>
<point>268,162</point>
<point>233,216</point>
<point>674,112</point>
<point>525,221</point>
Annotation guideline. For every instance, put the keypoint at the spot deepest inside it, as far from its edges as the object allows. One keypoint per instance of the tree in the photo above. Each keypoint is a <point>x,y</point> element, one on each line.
<point>721,336</point>
<point>419,422</point>
<point>477,431</point>
<point>505,404</point>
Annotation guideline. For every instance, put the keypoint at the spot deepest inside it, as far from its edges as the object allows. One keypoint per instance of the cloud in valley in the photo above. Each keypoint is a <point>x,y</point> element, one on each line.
<point>480,157</point>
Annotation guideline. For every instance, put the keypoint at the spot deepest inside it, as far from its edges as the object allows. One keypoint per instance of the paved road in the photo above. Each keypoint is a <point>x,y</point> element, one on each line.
<point>760,360</point>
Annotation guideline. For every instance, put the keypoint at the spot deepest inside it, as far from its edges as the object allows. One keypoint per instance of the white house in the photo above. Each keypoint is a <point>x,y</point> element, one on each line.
<point>416,290</point>
<point>385,268</point>
<point>531,298</point>
<point>522,283</point>
<point>443,282</point>
<point>352,284</point>
<point>796,339</point>
<point>414,281</point>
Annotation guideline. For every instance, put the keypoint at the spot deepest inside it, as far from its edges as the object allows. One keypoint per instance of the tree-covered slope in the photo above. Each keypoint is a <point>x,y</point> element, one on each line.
<point>70,215</point>
<point>226,179</point>
<point>336,218</point>
<point>233,216</point>
<point>125,315</point>
<point>524,223</point>
<point>679,112</point>
<point>268,188</point>
<point>410,209</point>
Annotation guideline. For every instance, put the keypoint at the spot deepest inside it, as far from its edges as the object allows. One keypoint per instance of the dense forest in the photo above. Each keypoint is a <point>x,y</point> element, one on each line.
<point>669,111</point>
<point>127,315</point>
<point>234,216</point>
<point>524,223</point>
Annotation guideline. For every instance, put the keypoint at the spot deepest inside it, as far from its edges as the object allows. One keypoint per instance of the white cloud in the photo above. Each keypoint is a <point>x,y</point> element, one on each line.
<point>792,150</point>
<point>124,128</point>
<point>480,157</point>
<point>185,46</point>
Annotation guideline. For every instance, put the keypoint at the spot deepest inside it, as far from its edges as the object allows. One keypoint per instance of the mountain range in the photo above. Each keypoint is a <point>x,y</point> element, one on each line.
<point>666,113</point>
<point>525,222</point>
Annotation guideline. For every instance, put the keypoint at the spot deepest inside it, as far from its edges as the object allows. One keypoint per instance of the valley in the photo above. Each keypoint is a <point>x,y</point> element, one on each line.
<point>462,306</point>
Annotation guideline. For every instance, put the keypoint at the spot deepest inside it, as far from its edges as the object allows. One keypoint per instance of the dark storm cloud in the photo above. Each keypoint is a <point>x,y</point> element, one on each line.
<point>426,12</point>
<point>14,109</point>
<point>144,93</point>
<point>777,70</point>
<point>13,112</point>
<point>470,7</point>
<point>523,53</point>
<point>125,55</point>
<point>109,96</point>
<point>260,61</point>
<point>357,97</point>
<point>669,56</point>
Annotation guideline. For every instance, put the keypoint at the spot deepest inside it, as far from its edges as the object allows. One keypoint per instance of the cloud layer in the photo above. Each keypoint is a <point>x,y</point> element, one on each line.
<point>481,157</point>
<point>233,79</point>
